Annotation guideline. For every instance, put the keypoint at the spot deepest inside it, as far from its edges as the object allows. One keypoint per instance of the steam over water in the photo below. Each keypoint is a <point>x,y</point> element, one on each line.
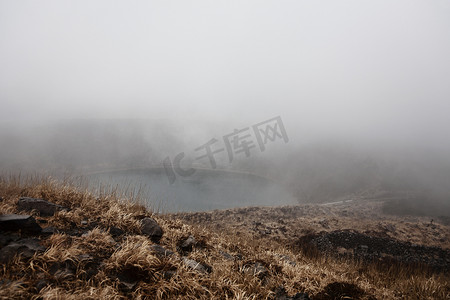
<point>204,190</point>
<point>361,88</point>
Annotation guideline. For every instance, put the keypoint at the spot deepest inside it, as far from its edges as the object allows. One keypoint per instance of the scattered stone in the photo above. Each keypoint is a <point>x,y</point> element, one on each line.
<point>49,231</point>
<point>129,277</point>
<point>196,266</point>
<point>63,270</point>
<point>92,269</point>
<point>371,248</point>
<point>151,229</point>
<point>127,286</point>
<point>301,296</point>
<point>256,269</point>
<point>281,294</point>
<point>226,255</point>
<point>74,232</point>
<point>15,222</point>
<point>25,247</point>
<point>84,223</point>
<point>287,259</point>
<point>5,239</point>
<point>44,207</point>
<point>116,231</point>
<point>161,251</point>
<point>185,245</point>
<point>363,248</point>
<point>341,290</point>
<point>1,199</point>
<point>88,264</point>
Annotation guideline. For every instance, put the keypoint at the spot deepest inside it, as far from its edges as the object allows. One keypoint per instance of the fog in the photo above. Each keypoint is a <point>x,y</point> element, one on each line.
<point>362,89</point>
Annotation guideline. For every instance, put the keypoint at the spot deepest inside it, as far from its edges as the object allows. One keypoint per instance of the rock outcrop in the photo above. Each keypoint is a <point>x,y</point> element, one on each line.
<point>44,207</point>
<point>13,222</point>
<point>151,229</point>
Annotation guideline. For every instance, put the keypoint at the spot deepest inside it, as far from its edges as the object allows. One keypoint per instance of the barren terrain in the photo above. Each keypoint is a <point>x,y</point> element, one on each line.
<point>62,242</point>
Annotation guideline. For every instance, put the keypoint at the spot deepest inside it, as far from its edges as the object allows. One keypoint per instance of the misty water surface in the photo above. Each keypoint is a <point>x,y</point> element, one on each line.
<point>204,190</point>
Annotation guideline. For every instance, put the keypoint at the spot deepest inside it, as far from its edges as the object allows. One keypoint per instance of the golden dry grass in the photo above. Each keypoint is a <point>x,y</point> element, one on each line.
<point>131,254</point>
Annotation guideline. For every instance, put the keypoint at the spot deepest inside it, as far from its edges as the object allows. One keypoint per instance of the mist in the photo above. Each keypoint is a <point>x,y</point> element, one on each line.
<point>362,89</point>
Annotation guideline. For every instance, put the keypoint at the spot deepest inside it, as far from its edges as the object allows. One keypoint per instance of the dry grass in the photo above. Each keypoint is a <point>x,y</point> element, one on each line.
<point>99,277</point>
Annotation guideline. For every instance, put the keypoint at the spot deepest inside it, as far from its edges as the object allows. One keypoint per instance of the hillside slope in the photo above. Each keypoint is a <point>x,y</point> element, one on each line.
<point>103,247</point>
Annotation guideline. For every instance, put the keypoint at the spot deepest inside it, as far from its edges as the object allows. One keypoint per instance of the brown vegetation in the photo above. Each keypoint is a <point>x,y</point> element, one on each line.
<point>98,252</point>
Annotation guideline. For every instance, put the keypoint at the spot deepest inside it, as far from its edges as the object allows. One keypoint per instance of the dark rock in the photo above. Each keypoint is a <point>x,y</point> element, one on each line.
<point>196,266</point>
<point>362,248</point>
<point>89,265</point>
<point>25,247</point>
<point>49,231</point>
<point>301,296</point>
<point>384,250</point>
<point>185,245</point>
<point>1,199</point>
<point>281,294</point>
<point>63,270</point>
<point>129,277</point>
<point>127,286</point>
<point>116,231</point>
<point>5,239</point>
<point>15,222</point>
<point>55,267</point>
<point>151,229</point>
<point>340,290</point>
<point>44,207</point>
<point>67,264</point>
<point>161,251</point>
<point>92,270</point>
<point>74,232</point>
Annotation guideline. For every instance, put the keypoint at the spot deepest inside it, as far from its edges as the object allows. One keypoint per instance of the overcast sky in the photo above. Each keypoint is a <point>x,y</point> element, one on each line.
<point>352,68</point>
